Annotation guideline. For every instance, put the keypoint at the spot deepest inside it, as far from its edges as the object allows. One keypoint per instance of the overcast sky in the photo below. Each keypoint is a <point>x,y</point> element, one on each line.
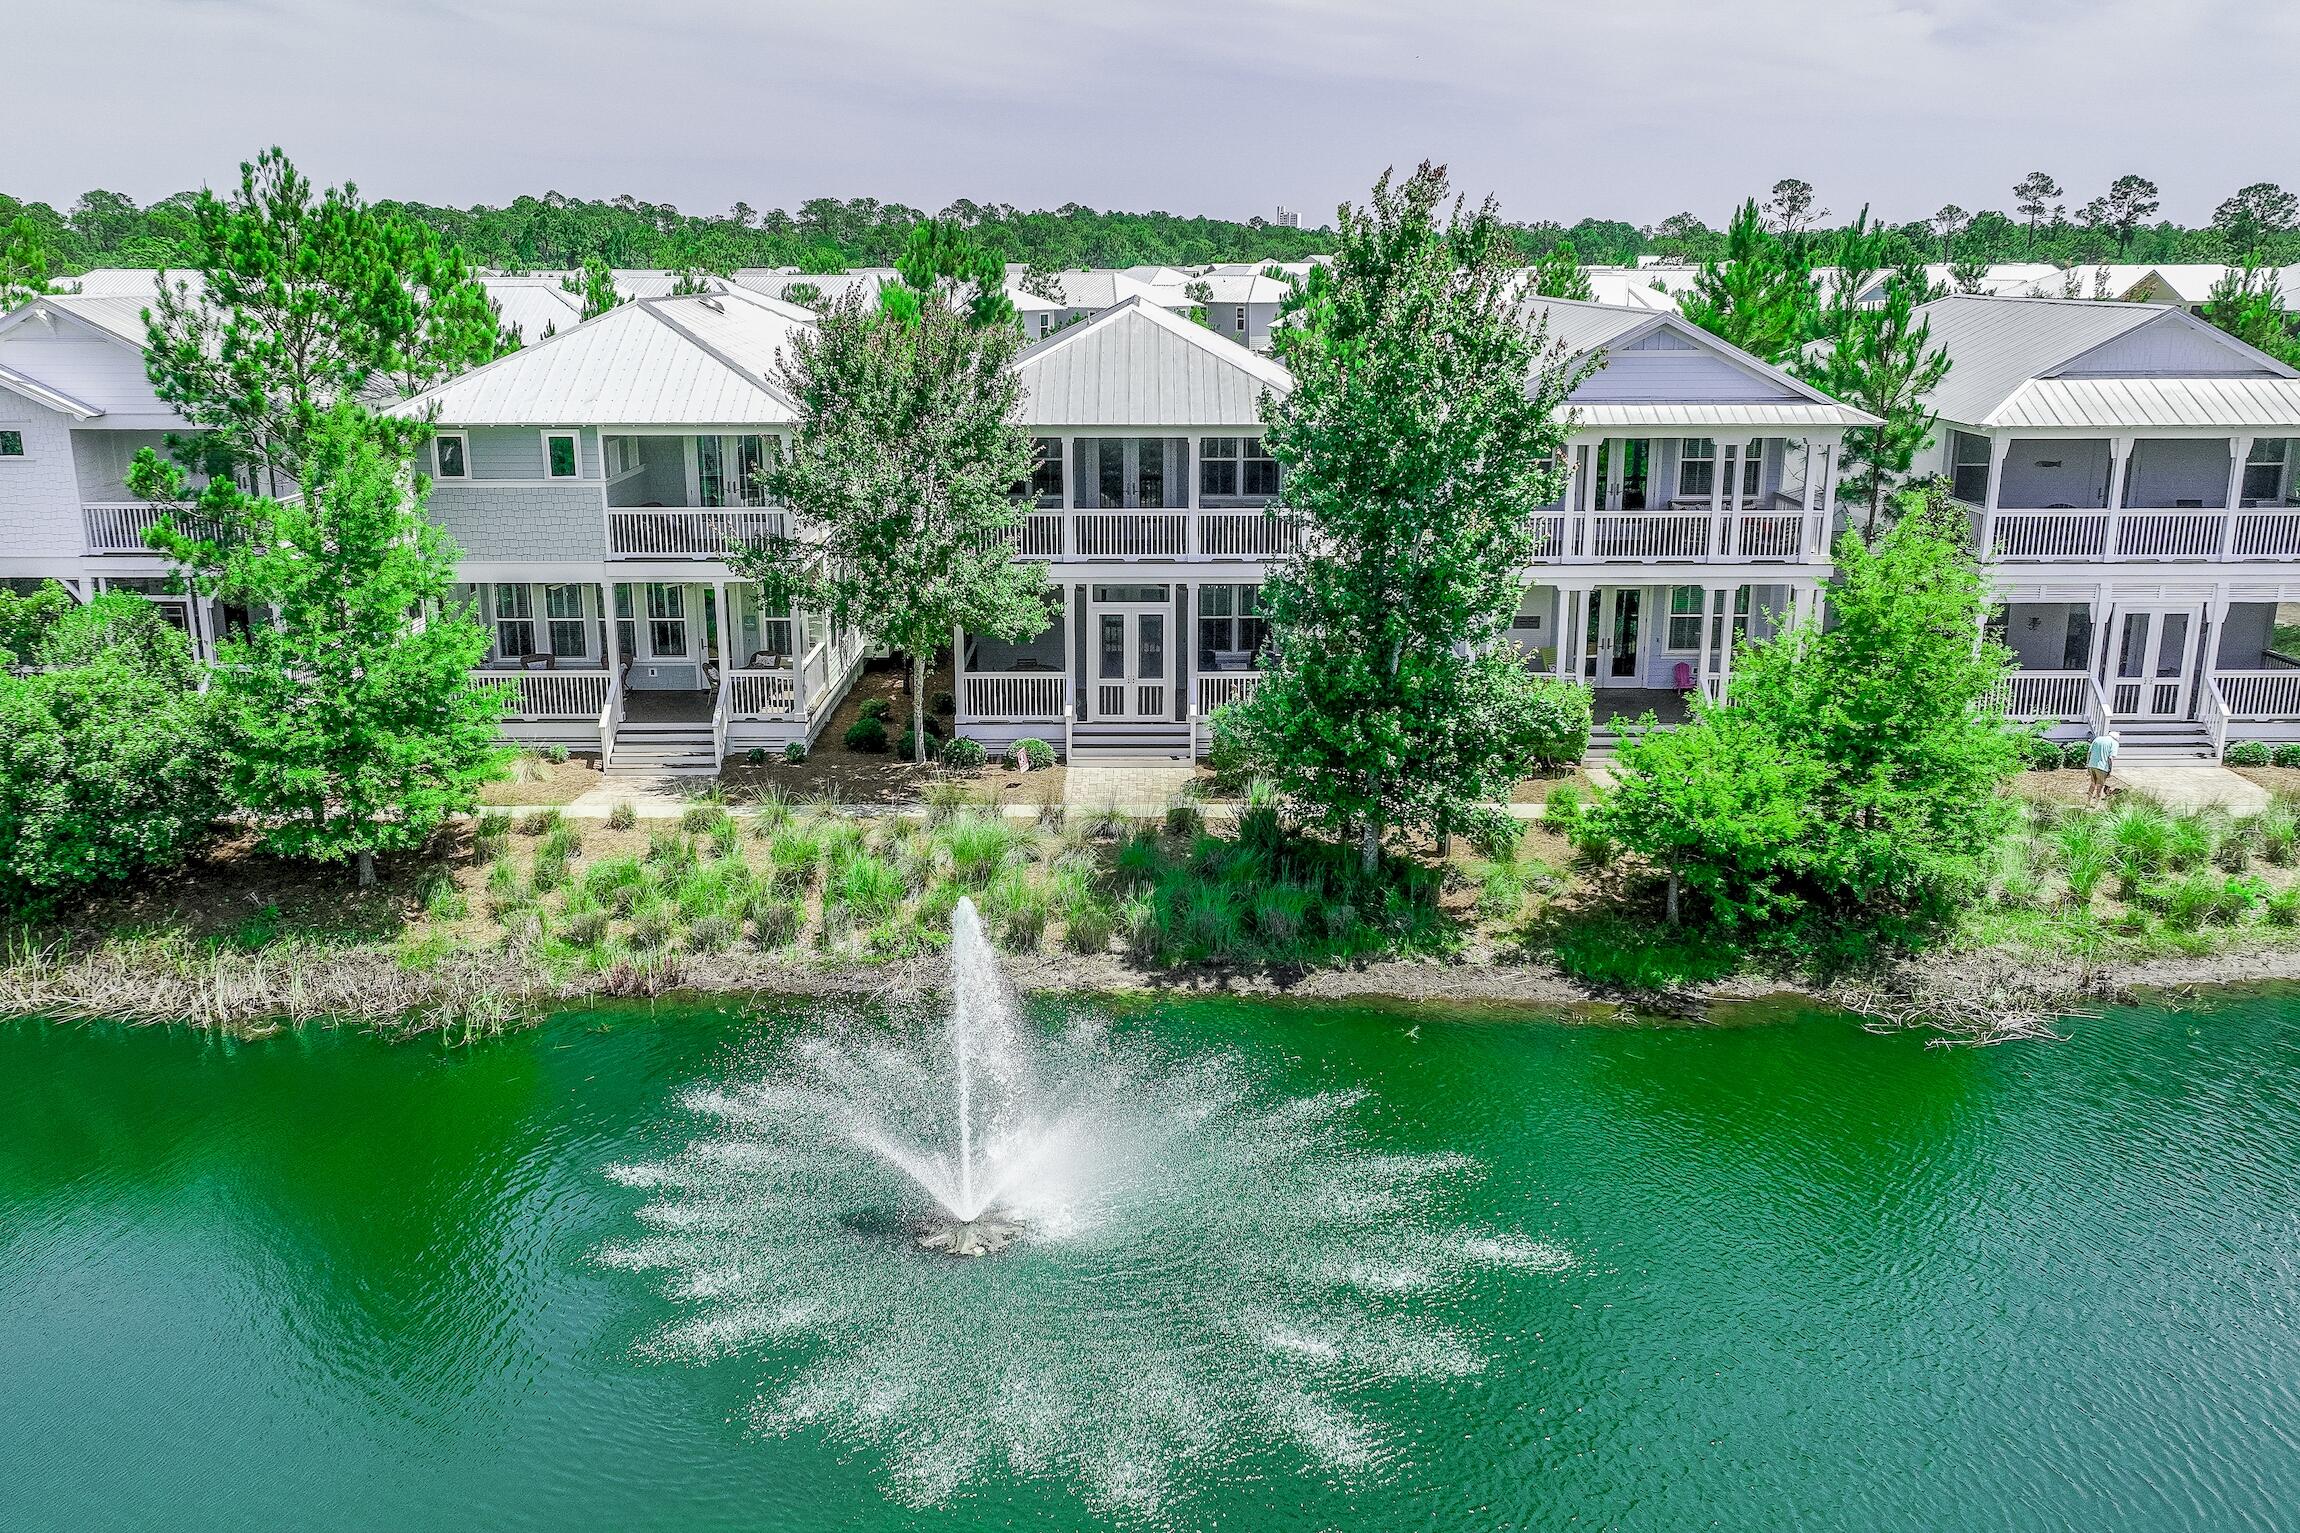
<point>1630,109</point>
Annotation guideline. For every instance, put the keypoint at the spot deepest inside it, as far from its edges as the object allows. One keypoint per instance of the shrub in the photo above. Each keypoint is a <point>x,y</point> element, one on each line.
<point>906,749</point>
<point>775,922</point>
<point>1032,752</point>
<point>2041,754</point>
<point>1496,834</point>
<point>964,755</point>
<point>541,822</point>
<point>876,708</point>
<point>622,817</point>
<point>2075,753</point>
<point>1184,819</point>
<point>755,756</point>
<point>2285,755</point>
<point>945,702</point>
<point>1559,715</point>
<point>795,751</point>
<point>866,735</point>
<point>2246,753</point>
<point>555,754</point>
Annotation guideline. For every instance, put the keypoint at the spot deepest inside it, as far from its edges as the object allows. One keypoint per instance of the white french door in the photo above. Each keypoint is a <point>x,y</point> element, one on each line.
<point>2155,661</point>
<point>1133,658</point>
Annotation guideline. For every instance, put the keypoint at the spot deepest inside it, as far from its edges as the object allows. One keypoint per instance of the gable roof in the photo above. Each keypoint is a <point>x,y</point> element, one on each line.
<point>28,387</point>
<point>1768,399</point>
<point>698,360</point>
<point>1135,364</point>
<point>2009,356</point>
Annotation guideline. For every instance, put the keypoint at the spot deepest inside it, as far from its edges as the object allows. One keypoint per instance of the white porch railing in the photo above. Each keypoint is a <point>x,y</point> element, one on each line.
<point>120,529</point>
<point>549,694</point>
<point>762,694</point>
<point>610,719</point>
<point>1013,697</point>
<point>2212,713</point>
<point>696,534</point>
<point>1549,535</point>
<point>2049,535</point>
<point>2064,695</point>
<point>2259,694</point>
<point>1132,534</point>
<point>2169,534</point>
<point>1650,535</point>
<point>1038,536</point>
<point>1768,535</point>
<point>2266,535</point>
<point>1225,687</point>
<point>1247,534</point>
<point>719,733</point>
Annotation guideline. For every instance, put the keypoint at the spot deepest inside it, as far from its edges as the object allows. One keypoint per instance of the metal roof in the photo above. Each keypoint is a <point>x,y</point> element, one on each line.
<point>1137,365</point>
<point>1777,399</point>
<point>698,360</point>
<point>2141,404</point>
<point>42,394</point>
<point>1755,415</point>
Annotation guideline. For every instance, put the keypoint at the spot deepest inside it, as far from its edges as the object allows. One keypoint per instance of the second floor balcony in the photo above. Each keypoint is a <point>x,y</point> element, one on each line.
<point>2129,499</point>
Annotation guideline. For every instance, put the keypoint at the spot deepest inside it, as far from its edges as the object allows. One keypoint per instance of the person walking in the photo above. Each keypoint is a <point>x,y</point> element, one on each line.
<point>2100,761</point>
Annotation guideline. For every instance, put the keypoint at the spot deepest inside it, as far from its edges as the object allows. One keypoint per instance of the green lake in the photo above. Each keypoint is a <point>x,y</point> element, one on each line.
<point>1403,1270</point>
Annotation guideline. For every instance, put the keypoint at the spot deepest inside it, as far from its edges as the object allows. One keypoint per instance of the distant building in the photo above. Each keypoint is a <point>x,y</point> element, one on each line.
<point>1288,218</point>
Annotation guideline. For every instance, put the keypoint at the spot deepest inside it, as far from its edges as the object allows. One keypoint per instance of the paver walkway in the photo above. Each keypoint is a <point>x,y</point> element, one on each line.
<point>2194,787</point>
<point>1133,789</point>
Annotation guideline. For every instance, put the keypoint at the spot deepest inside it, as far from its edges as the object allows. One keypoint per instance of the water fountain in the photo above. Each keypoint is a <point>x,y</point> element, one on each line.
<point>1199,1265</point>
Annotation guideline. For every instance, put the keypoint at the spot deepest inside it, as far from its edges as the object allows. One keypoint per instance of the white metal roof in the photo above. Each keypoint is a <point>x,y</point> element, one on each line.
<point>1138,365</point>
<point>39,393</point>
<point>699,360</point>
<point>2142,404</point>
<point>1775,399</point>
<point>1754,415</point>
<point>531,305</point>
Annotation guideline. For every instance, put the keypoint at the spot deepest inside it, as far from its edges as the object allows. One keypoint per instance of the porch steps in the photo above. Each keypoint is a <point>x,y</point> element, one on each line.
<point>1125,740</point>
<point>662,750</point>
<point>2163,742</point>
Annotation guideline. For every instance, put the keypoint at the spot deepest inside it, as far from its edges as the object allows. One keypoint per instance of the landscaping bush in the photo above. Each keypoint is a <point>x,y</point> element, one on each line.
<point>540,822</point>
<point>979,846</point>
<point>755,756</point>
<point>555,754</point>
<point>1034,754</point>
<point>702,818</point>
<point>1559,715</point>
<point>866,735</point>
<point>2285,755</point>
<point>622,817</point>
<point>1496,834</point>
<point>906,748</point>
<point>2247,753</point>
<point>2041,754</point>
<point>1184,819</point>
<point>878,708</point>
<point>1088,928</point>
<point>795,752</point>
<point>963,755</point>
<point>945,702</point>
<point>2075,753</point>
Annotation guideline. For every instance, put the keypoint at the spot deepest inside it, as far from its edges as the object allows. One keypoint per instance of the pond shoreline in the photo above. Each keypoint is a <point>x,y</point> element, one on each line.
<point>1964,993</point>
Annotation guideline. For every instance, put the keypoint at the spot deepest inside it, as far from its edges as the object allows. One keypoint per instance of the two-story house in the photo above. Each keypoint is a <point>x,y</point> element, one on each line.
<point>2130,475</point>
<point>1698,508</point>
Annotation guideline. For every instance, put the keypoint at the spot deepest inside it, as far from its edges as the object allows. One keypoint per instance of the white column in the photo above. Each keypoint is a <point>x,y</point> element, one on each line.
<point>1190,537</point>
<point>1729,498</point>
<point>958,676</point>
<point>1701,650</point>
<point>2119,458</point>
<point>1725,660</point>
<point>614,634</point>
<point>2239,450</point>
<point>726,642</point>
<point>1998,447</point>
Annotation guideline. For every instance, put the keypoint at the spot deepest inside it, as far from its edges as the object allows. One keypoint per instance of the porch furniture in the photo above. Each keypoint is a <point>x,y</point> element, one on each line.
<point>1233,660</point>
<point>1681,676</point>
<point>538,662</point>
<point>768,660</point>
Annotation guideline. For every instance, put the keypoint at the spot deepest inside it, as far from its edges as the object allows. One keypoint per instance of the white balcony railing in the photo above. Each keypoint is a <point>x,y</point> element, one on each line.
<point>1039,536</point>
<point>1013,697</point>
<point>762,694</point>
<point>1132,534</point>
<point>120,529</point>
<point>2260,694</point>
<point>2064,695</point>
<point>1650,535</point>
<point>2049,535</point>
<point>2169,534</point>
<point>661,534</point>
<point>549,694</point>
<point>1769,535</point>
<point>1219,688</point>
<point>1247,535</point>
<point>2266,535</point>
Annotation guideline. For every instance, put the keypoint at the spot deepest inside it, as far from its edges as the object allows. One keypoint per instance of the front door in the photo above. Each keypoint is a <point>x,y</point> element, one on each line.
<point>2155,657</point>
<point>1612,641</point>
<point>1132,653</point>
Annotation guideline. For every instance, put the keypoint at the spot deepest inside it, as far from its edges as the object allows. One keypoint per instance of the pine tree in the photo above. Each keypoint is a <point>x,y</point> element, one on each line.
<point>1421,434</point>
<point>1760,296</point>
<point>900,491</point>
<point>1880,359</point>
<point>24,262</point>
<point>1559,275</point>
<point>594,283</point>
<point>350,725</point>
<point>2248,303</point>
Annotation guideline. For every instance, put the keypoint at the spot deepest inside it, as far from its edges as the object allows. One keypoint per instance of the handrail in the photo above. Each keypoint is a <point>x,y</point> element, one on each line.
<point>2212,713</point>
<point>719,734</point>
<point>1069,722</point>
<point>2096,706</point>
<point>610,715</point>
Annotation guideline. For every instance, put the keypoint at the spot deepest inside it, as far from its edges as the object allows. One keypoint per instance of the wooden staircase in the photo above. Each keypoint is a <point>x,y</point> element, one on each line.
<point>662,750</point>
<point>1160,742</point>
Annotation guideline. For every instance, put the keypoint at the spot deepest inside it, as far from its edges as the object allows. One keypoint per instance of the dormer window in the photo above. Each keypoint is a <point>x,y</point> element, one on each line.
<point>450,454</point>
<point>560,460</point>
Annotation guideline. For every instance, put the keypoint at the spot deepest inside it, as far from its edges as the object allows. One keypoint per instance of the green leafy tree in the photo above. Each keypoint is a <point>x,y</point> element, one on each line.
<point>900,491</point>
<point>1854,771</point>
<point>1759,296</point>
<point>1558,274</point>
<point>1882,360</point>
<point>24,263</point>
<point>594,283</point>
<point>943,257</point>
<point>26,620</point>
<point>109,765</point>
<point>2033,196</point>
<point>2258,214</point>
<point>2131,202</point>
<point>350,723</point>
<point>1790,208</point>
<point>2248,303</point>
<point>1421,433</point>
<point>304,301</point>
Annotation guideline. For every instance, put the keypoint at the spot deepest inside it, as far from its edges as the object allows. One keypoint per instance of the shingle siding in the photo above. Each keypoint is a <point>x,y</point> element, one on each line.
<point>545,522</point>
<point>39,492</point>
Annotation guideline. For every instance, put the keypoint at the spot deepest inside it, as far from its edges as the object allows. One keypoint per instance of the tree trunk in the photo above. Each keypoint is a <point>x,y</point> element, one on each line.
<point>1370,834</point>
<point>1672,896</point>
<point>367,870</point>
<point>918,709</point>
<point>1876,498</point>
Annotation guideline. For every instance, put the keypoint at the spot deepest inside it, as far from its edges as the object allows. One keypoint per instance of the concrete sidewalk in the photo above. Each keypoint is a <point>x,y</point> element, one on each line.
<point>2193,787</point>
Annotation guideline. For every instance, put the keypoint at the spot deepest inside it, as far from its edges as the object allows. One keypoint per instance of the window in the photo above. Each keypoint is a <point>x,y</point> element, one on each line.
<point>626,626</point>
<point>559,458</point>
<point>1752,468</point>
<point>1697,468</point>
<point>762,633</point>
<point>2263,471</point>
<point>727,469</point>
<point>1111,472</point>
<point>1685,604</point>
<point>667,620</point>
<point>1240,325</point>
<point>11,442</point>
<point>622,454</point>
<point>1045,324</point>
<point>1150,478</point>
<point>570,635</point>
<point>514,621</point>
<point>1231,629</point>
<point>1046,472</point>
<point>448,453</point>
<point>1969,467</point>
<point>1230,466</point>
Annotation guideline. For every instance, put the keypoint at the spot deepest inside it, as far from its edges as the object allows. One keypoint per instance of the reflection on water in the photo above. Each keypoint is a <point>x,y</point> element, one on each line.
<point>1819,1279</point>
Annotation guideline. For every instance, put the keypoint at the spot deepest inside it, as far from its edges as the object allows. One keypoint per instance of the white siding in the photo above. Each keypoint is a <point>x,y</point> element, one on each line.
<point>96,371</point>
<point>1690,376</point>
<point>101,460</point>
<point>39,493</point>
<point>2166,348</point>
